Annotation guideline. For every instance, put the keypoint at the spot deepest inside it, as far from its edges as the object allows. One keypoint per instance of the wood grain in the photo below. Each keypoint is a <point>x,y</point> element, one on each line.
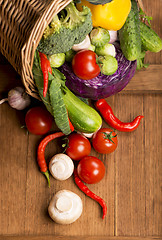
<point>132,184</point>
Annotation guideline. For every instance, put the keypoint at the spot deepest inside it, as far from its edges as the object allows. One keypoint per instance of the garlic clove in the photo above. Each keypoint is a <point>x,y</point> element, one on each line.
<point>65,207</point>
<point>61,166</point>
<point>85,44</point>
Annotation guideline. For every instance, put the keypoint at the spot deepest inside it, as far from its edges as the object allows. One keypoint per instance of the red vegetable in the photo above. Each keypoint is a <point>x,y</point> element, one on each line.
<point>38,120</point>
<point>78,146</point>
<point>105,140</point>
<point>46,67</point>
<point>113,121</point>
<point>91,170</point>
<point>89,193</point>
<point>84,64</point>
<point>40,153</point>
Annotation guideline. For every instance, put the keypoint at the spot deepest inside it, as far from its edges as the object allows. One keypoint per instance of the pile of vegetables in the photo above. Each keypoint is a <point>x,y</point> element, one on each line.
<point>89,51</point>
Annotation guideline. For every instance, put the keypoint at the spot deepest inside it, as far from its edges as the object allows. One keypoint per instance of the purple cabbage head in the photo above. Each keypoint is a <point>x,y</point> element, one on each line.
<point>101,86</point>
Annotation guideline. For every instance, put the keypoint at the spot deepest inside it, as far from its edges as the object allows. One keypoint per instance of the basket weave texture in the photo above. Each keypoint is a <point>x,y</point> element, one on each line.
<point>22,23</point>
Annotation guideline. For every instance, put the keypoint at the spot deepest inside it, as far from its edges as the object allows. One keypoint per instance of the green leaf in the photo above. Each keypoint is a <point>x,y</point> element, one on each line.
<point>58,106</point>
<point>145,17</point>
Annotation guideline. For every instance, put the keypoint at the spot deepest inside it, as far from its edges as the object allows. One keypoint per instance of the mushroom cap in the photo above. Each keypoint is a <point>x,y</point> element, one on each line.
<point>61,166</point>
<point>65,207</point>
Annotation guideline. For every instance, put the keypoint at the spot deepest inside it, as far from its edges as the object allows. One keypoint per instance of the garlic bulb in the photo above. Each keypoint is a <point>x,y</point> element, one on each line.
<point>17,98</point>
<point>65,207</point>
<point>113,36</point>
<point>61,166</point>
<point>85,44</point>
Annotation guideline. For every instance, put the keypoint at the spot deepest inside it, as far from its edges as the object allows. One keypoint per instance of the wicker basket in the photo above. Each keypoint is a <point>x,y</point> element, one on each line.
<point>22,23</point>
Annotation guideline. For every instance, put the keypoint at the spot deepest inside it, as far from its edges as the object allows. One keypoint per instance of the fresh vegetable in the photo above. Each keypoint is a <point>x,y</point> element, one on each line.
<point>99,37</point>
<point>56,60</point>
<point>150,39</point>
<point>101,86</point>
<point>113,36</point>
<point>89,193</point>
<point>84,65</point>
<point>63,104</point>
<point>108,64</point>
<point>85,44</point>
<point>61,166</point>
<point>17,98</point>
<point>78,146</point>
<point>129,34</point>
<point>67,28</point>
<point>41,151</point>
<point>106,50</point>
<point>113,121</point>
<point>105,140</point>
<point>91,170</point>
<point>38,120</point>
<point>65,207</point>
<point>83,117</point>
<point>69,55</point>
<point>111,16</point>
<point>46,67</point>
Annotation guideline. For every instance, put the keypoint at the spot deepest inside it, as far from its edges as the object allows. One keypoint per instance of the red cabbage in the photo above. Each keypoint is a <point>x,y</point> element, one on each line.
<point>101,86</point>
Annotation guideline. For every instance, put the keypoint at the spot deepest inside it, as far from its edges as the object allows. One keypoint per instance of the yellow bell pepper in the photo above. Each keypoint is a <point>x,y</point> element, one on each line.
<point>111,16</point>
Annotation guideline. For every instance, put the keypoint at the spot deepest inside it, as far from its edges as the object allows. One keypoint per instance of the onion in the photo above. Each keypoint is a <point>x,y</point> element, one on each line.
<point>101,86</point>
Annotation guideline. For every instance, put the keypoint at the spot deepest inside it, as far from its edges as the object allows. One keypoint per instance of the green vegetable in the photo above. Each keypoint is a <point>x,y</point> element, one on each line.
<point>83,117</point>
<point>107,49</point>
<point>99,36</point>
<point>108,64</point>
<point>56,60</point>
<point>129,34</point>
<point>150,39</point>
<point>69,55</point>
<point>67,28</point>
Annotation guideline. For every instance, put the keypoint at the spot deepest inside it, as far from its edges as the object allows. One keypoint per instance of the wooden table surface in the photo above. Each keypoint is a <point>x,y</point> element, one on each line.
<point>131,186</point>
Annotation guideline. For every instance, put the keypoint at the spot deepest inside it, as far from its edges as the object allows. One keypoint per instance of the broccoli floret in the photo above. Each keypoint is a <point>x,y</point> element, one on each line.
<point>67,28</point>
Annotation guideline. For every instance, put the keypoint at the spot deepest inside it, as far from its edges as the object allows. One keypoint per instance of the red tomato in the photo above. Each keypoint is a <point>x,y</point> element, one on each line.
<point>78,146</point>
<point>90,169</point>
<point>84,64</point>
<point>38,120</point>
<point>105,140</point>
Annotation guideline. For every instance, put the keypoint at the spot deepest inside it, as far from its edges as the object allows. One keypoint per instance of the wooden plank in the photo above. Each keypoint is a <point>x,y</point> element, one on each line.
<point>138,168</point>
<point>50,237</point>
<point>13,148</point>
<point>145,81</point>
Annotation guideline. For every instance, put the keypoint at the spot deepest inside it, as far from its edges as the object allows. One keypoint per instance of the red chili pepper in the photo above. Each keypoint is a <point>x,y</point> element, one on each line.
<point>89,193</point>
<point>40,153</point>
<point>113,121</point>
<point>71,125</point>
<point>46,67</point>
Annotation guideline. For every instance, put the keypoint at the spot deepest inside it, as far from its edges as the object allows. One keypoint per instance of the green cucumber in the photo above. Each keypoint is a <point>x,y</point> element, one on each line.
<point>83,117</point>
<point>129,34</point>
<point>150,39</point>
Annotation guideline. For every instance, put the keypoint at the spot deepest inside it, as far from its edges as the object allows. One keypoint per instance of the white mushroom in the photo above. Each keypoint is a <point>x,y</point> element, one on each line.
<point>61,166</point>
<point>85,44</point>
<point>65,207</point>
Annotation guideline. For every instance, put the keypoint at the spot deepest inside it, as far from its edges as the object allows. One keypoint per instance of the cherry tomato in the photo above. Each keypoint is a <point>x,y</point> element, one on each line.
<point>105,140</point>
<point>84,65</point>
<point>91,170</point>
<point>78,146</point>
<point>38,120</point>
